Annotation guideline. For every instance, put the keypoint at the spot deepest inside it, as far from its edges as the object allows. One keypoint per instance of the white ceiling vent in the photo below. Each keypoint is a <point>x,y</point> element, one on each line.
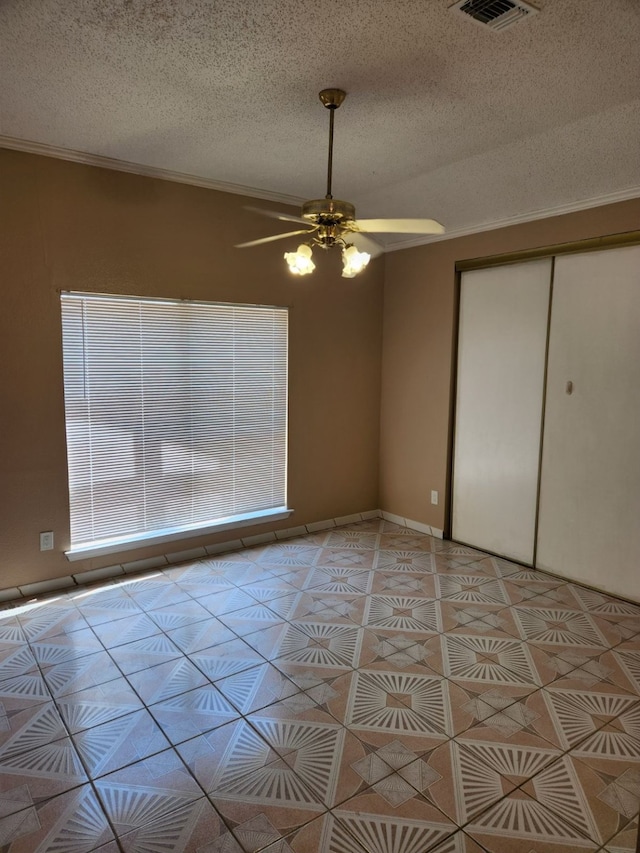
<point>495,14</point>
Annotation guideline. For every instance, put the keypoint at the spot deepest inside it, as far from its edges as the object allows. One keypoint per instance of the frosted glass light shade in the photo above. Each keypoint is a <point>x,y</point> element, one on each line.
<point>353,261</point>
<point>300,262</point>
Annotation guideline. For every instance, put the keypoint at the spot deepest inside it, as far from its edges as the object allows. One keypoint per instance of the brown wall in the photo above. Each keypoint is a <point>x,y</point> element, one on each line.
<point>65,226</point>
<point>418,339</point>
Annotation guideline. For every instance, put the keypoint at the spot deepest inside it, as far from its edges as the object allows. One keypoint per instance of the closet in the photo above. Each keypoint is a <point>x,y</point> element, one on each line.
<point>546,459</point>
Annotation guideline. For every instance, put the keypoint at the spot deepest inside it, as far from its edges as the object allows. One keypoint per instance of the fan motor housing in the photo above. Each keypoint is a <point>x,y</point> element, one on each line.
<point>328,211</point>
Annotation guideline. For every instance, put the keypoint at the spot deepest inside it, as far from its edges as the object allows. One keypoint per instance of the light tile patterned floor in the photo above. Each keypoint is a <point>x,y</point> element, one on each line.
<point>365,690</point>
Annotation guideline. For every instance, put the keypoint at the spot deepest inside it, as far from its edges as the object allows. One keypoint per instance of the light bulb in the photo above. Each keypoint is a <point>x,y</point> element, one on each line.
<point>353,261</point>
<point>300,262</point>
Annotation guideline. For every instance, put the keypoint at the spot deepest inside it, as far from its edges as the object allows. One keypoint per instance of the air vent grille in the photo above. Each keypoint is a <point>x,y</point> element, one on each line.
<point>495,14</point>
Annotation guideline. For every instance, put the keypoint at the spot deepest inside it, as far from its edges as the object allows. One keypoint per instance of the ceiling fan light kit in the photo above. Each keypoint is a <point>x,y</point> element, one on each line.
<point>331,222</point>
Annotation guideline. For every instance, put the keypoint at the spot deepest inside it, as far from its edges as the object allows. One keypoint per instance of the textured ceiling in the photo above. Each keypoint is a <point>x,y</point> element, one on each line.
<point>443,119</point>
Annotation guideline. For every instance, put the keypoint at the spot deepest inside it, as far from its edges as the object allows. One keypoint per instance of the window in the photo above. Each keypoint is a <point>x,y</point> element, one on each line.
<point>176,417</point>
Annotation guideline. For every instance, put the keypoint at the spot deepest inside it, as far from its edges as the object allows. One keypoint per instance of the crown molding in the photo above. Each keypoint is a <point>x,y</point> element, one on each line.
<point>253,192</point>
<point>572,207</point>
<point>146,171</point>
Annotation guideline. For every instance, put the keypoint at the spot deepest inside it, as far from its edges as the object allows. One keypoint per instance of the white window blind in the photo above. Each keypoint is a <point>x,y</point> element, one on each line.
<point>176,415</point>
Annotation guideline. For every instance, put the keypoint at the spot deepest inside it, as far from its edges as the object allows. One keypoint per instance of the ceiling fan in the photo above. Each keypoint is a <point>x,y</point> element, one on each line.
<point>330,222</point>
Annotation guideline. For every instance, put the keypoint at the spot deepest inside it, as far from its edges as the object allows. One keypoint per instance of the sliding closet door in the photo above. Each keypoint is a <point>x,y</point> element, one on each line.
<point>589,526</point>
<point>501,360</point>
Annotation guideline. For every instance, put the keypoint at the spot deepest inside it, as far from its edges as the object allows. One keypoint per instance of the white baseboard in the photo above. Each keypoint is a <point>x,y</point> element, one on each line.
<point>65,584</point>
<point>413,525</point>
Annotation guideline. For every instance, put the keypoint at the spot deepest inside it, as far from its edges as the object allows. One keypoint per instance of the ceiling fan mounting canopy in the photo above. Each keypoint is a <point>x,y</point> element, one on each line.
<point>332,98</point>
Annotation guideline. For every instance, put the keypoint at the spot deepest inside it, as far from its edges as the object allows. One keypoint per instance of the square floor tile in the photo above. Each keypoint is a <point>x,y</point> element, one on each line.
<point>405,651</point>
<point>156,593</point>
<point>315,605</point>
<point>321,644</point>
<point>200,635</point>
<point>397,703</point>
<point>51,620</point>
<point>66,647</point>
<point>120,742</point>
<point>166,680</point>
<point>256,688</point>
<point>178,614</point>
<point>247,779</point>
<point>126,630</point>
<point>81,673</point>
<point>481,659</point>
<point>376,824</point>
<point>98,704</point>
<point>520,822</point>
<point>106,606</point>
<point>402,613</point>
<point>144,654</point>
<point>21,692</point>
<point>15,660</point>
<point>226,659</point>
<point>142,792</point>
<point>73,821</point>
<point>193,827</point>
<point>405,562</point>
<point>34,725</point>
<point>596,804</point>
<point>193,713</point>
<point>44,771</point>
<point>562,627</point>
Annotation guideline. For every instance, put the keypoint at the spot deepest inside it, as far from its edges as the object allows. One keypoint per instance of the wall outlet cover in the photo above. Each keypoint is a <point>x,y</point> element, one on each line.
<point>46,541</point>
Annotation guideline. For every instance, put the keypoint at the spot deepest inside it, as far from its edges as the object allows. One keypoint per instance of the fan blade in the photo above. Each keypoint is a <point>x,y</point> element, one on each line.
<point>274,214</point>
<point>364,243</point>
<point>274,237</point>
<point>400,226</point>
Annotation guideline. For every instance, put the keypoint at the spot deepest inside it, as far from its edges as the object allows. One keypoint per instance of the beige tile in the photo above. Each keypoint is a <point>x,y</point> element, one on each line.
<point>459,617</point>
<point>135,795</point>
<point>166,680</point>
<point>118,743</point>
<point>337,608</point>
<point>520,822</point>
<point>405,651</point>
<point>55,822</point>
<point>48,768</point>
<point>588,798</point>
<point>191,828</point>
<point>625,840</point>
<point>256,688</point>
<point>98,704</point>
<point>396,814</point>
<point>246,779</point>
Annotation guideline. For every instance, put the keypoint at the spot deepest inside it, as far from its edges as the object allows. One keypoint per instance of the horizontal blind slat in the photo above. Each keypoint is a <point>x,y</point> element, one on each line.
<point>176,412</point>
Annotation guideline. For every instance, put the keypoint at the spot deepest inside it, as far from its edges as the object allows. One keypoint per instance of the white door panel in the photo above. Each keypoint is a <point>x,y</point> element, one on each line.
<point>501,358</point>
<point>589,521</point>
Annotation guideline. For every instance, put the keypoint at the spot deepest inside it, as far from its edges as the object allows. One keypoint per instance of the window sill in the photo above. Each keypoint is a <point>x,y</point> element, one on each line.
<point>157,537</point>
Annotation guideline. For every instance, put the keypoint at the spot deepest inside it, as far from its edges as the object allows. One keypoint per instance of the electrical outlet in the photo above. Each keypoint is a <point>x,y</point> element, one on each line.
<point>434,497</point>
<point>46,541</point>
